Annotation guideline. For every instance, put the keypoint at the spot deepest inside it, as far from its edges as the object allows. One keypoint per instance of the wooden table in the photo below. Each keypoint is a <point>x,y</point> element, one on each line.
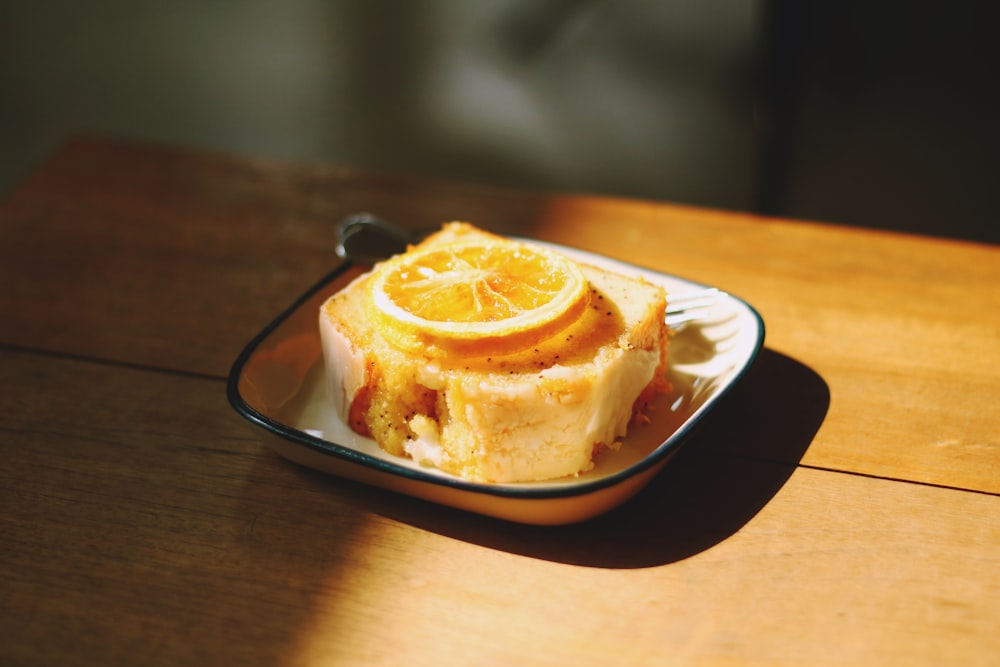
<point>841,507</point>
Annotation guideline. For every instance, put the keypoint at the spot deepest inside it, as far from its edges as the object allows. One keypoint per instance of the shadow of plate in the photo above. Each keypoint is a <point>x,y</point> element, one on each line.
<point>731,466</point>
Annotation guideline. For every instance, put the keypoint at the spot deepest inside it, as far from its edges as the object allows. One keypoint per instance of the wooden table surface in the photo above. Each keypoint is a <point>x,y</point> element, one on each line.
<point>840,507</point>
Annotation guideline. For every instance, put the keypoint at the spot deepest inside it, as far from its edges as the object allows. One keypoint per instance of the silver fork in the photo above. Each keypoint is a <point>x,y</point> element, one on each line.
<point>689,305</point>
<point>366,238</point>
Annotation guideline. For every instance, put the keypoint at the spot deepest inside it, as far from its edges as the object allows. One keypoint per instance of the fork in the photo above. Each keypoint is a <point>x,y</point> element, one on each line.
<point>366,238</point>
<point>689,306</point>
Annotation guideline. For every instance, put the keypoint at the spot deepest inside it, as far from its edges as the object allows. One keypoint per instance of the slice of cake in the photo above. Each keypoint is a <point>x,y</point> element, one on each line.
<point>494,360</point>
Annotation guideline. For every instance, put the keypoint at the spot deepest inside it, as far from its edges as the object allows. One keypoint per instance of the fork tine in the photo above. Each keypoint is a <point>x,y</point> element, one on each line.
<point>678,302</point>
<point>684,307</point>
<point>683,317</point>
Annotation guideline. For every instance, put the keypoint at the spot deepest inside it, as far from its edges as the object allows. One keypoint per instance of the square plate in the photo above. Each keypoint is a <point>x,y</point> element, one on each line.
<point>278,384</point>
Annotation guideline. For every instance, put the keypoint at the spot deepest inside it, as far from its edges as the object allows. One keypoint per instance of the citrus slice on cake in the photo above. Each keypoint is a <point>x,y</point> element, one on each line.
<point>495,296</point>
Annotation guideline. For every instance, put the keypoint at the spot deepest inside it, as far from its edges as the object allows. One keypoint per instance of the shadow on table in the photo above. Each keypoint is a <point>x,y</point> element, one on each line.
<point>729,469</point>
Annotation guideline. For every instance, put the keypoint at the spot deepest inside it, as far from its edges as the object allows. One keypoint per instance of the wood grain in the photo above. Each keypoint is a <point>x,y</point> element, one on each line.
<point>838,508</point>
<point>168,536</point>
<point>175,259</point>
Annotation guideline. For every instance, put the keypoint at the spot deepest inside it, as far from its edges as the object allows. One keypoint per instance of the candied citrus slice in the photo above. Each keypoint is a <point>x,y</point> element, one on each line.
<point>476,298</point>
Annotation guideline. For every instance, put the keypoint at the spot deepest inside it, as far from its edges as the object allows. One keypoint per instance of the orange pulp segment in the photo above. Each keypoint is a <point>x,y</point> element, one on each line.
<point>476,298</point>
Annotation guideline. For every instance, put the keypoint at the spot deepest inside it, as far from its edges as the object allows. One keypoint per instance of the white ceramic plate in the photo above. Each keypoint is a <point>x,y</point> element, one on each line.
<point>277,384</point>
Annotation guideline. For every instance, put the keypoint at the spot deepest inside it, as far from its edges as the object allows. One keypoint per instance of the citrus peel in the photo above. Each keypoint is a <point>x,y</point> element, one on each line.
<point>476,298</point>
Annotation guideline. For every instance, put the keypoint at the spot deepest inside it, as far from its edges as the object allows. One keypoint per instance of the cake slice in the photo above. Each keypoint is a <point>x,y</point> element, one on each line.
<point>540,410</point>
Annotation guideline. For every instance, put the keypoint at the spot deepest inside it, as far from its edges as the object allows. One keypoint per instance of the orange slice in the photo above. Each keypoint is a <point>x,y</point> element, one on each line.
<point>476,298</point>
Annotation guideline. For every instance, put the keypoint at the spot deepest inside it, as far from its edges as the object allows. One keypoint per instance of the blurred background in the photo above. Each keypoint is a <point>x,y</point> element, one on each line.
<point>875,114</point>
